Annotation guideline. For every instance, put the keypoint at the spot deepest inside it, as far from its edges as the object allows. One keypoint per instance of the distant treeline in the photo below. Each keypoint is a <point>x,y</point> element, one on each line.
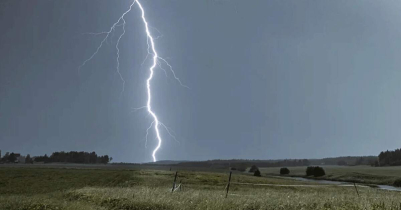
<point>73,157</point>
<point>10,158</point>
<point>390,158</point>
<point>57,157</point>
<point>345,161</point>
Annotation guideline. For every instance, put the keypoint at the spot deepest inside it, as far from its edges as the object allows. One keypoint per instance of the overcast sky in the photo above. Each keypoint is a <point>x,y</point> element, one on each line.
<point>268,79</point>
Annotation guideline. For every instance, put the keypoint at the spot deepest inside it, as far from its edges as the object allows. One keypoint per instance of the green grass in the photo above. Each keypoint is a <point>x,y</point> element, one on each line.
<point>359,174</point>
<point>48,188</point>
<point>38,180</point>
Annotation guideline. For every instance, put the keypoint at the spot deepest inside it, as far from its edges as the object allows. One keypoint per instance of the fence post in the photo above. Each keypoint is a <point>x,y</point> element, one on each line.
<point>356,189</point>
<point>175,179</point>
<point>228,185</point>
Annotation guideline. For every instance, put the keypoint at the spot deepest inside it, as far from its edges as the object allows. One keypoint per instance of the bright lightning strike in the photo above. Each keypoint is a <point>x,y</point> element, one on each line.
<point>151,69</point>
<point>156,58</point>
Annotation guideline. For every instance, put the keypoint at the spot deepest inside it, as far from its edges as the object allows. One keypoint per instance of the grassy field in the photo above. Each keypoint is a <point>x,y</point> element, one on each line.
<point>60,188</point>
<point>359,174</point>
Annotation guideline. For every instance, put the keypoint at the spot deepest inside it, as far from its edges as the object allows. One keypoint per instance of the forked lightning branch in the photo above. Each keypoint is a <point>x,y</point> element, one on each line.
<point>156,61</point>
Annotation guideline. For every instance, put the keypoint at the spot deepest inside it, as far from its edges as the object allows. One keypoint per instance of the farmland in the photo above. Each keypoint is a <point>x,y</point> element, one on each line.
<point>122,188</point>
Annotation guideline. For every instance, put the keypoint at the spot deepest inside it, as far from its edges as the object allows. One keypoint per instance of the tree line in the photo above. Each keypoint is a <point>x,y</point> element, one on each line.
<point>390,158</point>
<point>345,160</point>
<point>60,157</point>
<point>9,157</point>
<point>74,157</point>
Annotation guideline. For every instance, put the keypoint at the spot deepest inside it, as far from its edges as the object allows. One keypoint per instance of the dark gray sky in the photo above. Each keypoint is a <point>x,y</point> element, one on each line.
<point>268,79</point>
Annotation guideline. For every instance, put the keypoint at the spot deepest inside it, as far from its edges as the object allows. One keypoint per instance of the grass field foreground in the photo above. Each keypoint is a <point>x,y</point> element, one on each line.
<point>36,188</point>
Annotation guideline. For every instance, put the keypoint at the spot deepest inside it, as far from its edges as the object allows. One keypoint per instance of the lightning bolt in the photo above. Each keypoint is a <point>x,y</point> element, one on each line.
<point>156,62</point>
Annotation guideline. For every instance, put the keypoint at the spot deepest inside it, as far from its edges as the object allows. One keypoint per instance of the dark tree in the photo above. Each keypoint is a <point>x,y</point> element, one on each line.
<point>257,173</point>
<point>92,157</point>
<point>46,159</point>
<point>28,159</point>
<point>12,158</point>
<point>5,157</point>
<point>309,170</point>
<point>318,171</point>
<point>284,171</point>
<point>104,159</point>
<point>253,169</point>
<point>390,158</point>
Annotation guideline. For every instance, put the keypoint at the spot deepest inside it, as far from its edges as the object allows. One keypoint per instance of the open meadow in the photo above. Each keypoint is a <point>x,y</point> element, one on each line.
<point>111,188</point>
<point>358,174</point>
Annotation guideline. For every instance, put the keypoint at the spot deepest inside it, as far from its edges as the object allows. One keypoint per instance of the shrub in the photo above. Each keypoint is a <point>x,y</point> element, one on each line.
<point>316,171</point>
<point>253,168</point>
<point>309,170</point>
<point>397,183</point>
<point>284,171</point>
<point>257,173</point>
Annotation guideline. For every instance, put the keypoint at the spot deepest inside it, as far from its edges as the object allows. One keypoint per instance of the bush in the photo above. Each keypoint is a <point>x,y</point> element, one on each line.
<point>309,170</point>
<point>316,171</point>
<point>253,169</point>
<point>257,173</point>
<point>397,183</point>
<point>284,171</point>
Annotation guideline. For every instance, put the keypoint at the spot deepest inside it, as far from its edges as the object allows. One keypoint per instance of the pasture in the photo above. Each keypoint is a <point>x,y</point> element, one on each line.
<point>359,174</point>
<point>115,188</point>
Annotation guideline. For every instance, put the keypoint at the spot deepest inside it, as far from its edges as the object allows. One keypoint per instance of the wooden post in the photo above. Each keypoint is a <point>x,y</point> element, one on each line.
<point>356,189</point>
<point>175,179</point>
<point>228,185</point>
